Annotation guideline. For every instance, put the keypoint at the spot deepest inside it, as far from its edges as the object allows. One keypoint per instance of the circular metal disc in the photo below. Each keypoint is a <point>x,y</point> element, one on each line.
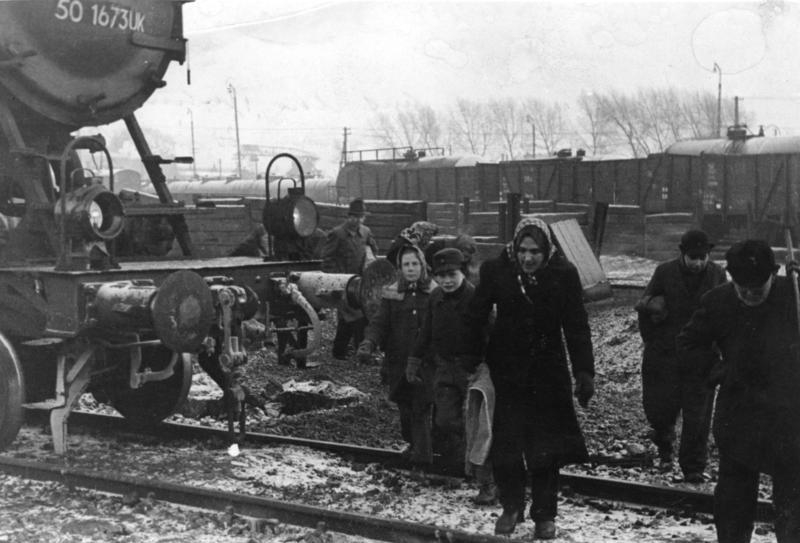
<point>183,311</point>
<point>378,274</point>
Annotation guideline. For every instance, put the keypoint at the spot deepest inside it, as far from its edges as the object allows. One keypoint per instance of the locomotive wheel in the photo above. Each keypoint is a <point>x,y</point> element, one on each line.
<point>12,393</point>
<point>154,401</point>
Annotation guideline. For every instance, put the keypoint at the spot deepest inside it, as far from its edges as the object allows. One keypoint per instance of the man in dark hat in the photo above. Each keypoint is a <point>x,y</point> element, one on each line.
<point>348,248</point>
<point>669,300</point>
<point>753,324</point>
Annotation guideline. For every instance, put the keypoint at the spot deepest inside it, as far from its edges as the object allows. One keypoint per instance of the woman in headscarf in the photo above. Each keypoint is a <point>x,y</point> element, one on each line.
<point>395,329</point>
<point>538,295</point>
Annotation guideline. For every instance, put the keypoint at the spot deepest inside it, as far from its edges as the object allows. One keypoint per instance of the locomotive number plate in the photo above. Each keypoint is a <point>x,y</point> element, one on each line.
<point>103,14</point>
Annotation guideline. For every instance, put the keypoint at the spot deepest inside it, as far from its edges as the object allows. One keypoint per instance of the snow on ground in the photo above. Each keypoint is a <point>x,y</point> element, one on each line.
<point>295,474</point>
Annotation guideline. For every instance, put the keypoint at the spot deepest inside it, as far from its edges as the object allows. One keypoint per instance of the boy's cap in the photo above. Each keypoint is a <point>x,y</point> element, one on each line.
<point>447,260</point>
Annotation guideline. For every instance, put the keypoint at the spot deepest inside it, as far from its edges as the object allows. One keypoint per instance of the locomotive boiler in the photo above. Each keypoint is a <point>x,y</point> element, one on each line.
<point>81,309</point>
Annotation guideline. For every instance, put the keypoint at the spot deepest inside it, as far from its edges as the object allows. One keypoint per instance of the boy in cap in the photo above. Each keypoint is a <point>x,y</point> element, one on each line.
<point>348,248</point>
<point>669,300</point>
<point>440,336</point>
<point>753,323</point>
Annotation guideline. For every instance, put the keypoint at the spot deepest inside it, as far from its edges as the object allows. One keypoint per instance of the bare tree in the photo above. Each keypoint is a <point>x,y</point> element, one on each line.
<point>595,126</point>
<point>471,126</point>
<point>659,123</point>
<point>623,113</point>
<point>699,114</point>
<point>427,127</point>
<point>548,118</point>
<point>385,130</point>
<point>413,125</point>
<point>506,118</point>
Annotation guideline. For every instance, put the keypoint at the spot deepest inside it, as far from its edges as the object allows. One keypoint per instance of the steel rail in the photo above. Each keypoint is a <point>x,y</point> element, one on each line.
<point>663,497</point>
<point>175,430</point>
<point>246,505</point>
<point>600,487</point>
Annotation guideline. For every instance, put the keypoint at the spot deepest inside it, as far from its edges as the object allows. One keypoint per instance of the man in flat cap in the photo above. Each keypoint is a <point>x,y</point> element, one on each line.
<point>753,323</point>
<point>348,249</point>
<point>669,300</point>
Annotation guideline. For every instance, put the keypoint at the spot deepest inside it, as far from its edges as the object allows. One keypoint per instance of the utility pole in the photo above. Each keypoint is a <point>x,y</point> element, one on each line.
<point>718,70</point>
<point>346,132</point>
<point>232,91</point>
<point>533,133</point>
<point>194,155</point>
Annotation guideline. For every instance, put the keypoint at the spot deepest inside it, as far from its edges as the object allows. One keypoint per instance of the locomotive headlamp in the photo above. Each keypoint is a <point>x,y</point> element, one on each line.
<point>294,215</point>
<point>91,213</point>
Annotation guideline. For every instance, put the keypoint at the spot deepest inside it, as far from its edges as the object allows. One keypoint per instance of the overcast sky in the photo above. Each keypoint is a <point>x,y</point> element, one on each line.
<point>302,70</point>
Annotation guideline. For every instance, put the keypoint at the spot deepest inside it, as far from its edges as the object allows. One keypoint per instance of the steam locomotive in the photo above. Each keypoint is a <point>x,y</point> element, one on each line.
<point>82,307</point>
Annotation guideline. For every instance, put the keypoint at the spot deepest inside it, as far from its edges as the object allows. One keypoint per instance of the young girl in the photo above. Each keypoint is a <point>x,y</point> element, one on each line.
<point>395,329</point>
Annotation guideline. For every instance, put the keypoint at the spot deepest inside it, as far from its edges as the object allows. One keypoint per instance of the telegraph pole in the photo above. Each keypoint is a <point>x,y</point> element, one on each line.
<point>194,155</point>
<point>232,91</point>
<point>346,132</point>
<point>719,99</point>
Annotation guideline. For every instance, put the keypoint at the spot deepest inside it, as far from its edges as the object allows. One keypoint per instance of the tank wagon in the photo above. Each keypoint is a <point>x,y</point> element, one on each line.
<point>319,189</point>
<point>81,309</point>
<point>395,173</point>
<point>738,186</point>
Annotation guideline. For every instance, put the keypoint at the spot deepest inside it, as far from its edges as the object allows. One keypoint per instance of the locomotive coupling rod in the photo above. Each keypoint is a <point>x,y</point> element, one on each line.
<point>791,273</point>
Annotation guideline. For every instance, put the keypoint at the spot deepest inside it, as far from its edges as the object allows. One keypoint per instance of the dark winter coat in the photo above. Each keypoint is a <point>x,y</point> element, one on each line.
<point>443,328</point>
<point>395,328</point>
<point>757,415</point>
<point>345,250</point>
<point>669,281</point>
<point>525,348</point>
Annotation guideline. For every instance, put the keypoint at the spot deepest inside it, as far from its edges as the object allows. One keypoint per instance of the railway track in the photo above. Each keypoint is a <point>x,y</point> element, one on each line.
<point>172,431</point>
<point>618,490</point>
<point>241,504</point>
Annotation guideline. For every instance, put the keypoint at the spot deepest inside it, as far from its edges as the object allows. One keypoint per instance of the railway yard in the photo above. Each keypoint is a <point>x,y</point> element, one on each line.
<point>167,302</point>
<point>296,484</point>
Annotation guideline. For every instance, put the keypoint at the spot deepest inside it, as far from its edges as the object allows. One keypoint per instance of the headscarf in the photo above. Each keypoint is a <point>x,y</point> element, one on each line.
<point>526,227</point>
<point>420,234</point>
<point>424,280</point>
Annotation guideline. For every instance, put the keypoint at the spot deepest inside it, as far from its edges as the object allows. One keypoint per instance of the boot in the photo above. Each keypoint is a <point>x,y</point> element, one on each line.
<point>487,494</point>
<point>487,490</point>
<point>665,459</point>
<point>506,522</point>
<point>545,529</point>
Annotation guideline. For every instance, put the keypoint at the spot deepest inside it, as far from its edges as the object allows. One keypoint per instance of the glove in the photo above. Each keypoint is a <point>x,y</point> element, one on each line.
<point>584,388</point>
<point>364,352</point>
<point>792,267</point>
<point>412,370</point>
<point>655,306</point>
